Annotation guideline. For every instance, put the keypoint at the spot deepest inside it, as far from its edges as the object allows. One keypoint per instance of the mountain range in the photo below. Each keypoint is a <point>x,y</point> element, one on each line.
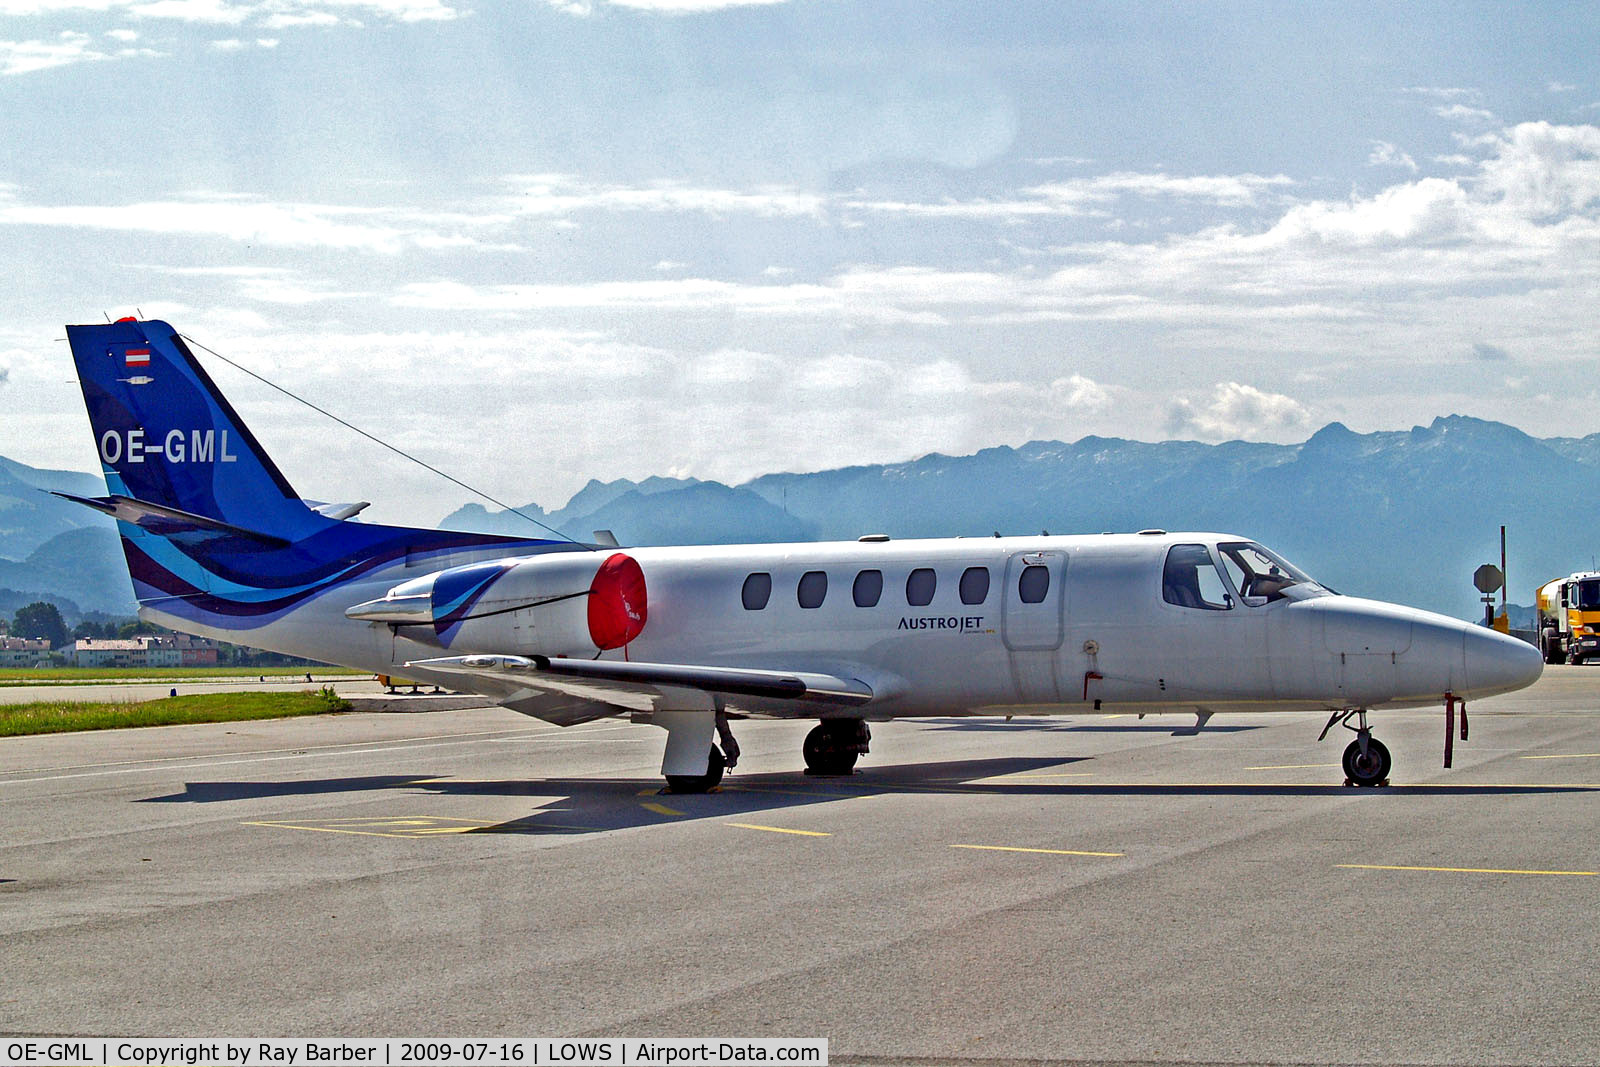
<point>1402,515</point>
<point>1399,515</point>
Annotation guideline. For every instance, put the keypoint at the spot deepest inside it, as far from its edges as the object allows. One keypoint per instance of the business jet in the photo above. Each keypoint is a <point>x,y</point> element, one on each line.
<point>690,638</point>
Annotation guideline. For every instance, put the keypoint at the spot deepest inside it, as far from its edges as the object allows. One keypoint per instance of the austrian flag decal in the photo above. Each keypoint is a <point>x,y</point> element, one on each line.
<point>137,357</point>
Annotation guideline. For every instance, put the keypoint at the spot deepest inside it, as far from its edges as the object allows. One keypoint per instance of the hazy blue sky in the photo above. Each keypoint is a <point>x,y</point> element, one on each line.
<point>560,239</point>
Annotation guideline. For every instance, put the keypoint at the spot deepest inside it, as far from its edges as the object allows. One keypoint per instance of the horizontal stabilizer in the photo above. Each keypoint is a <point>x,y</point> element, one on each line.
<point>339,511</point>
<point>733,681</point>
<point>168,522</point>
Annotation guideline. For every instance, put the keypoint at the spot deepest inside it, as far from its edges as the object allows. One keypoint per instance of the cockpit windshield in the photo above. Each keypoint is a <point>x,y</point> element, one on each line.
<point>1258,572</point>
<point>1588,595</point>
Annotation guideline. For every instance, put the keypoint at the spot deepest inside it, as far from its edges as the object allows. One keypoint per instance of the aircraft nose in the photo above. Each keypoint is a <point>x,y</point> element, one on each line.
<point>1497,663</point>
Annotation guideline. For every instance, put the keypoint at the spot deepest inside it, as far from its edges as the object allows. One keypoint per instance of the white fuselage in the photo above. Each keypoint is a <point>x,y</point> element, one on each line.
<point>1098,636</point>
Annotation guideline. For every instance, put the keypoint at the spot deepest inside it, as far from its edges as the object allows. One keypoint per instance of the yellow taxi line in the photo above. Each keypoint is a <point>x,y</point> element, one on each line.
<point>1461,870</point>
<point>1044,851</point>
<point>779,829</point>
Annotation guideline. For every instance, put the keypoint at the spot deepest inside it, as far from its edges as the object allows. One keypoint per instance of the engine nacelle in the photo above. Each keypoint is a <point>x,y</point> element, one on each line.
<point>563,604</point>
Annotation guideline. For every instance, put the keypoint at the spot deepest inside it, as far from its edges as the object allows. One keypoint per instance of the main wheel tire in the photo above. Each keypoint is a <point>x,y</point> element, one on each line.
<point>823,752</point>
<point>1371,769</point>
<point>700,783</point>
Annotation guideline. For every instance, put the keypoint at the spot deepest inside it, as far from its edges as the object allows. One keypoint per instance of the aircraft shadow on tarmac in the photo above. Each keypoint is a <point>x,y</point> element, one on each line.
<point>576,806</point>
<point>1067,726</point>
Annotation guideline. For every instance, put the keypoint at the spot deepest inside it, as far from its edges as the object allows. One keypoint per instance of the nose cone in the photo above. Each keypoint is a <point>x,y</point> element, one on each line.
<point>1496,663</point>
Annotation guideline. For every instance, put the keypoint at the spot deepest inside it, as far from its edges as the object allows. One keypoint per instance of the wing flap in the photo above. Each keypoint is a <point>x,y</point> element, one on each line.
<point>808,686</point>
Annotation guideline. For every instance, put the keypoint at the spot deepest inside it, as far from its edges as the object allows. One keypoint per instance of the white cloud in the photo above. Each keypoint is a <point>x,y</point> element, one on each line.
<point>1514,218</point>
<point>27,57</point>
<point>218,12</point>
<point>126,36</point>
<point>1539,170</point>
<point>231,44</point>
<point>1235,411</point>
<point>398,10</point>
<point>284,20</point>
<point>30,8</point>
<point>542,195</point>
<point>1080,393</point>
<point>248,220</point>
<point>657,7</point>
<point>689,295</point>
<point>1560,87</point>
<point>1444,93</point>
<point>689,7</point>
<point>270,14</point>
<point>1385,154</point>
<point>1463,113</point>
<point>1426,210</point>
<point>1088,196</point>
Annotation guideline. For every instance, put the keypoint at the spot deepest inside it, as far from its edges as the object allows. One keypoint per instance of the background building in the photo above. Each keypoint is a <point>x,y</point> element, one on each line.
<point>162,650</point>
<point>23,651</point>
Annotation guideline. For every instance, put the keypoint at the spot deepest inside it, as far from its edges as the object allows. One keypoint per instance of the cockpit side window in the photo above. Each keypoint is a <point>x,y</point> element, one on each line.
<point>1191,580</point>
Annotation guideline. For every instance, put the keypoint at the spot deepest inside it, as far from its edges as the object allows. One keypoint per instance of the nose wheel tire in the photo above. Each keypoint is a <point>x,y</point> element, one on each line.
<point>699,783</point>
<point>1368,768</point>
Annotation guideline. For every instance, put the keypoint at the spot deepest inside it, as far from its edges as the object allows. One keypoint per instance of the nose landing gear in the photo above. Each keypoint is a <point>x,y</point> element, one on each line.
<point>1366,759</point>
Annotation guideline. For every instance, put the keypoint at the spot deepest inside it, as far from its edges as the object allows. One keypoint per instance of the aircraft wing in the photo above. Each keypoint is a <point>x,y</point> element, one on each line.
<point>548,686</point>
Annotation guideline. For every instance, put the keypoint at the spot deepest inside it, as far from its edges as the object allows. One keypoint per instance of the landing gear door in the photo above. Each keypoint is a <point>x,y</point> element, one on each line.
<point>1032,621</point>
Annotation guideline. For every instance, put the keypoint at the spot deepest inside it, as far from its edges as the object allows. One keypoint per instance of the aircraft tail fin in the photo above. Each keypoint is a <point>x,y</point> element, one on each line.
<point>215,538</point>
<point>169,439</point>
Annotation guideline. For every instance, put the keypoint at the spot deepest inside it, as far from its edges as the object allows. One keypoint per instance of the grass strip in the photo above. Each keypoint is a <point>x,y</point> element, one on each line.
<point>10,676</point>
<point>59,716</point>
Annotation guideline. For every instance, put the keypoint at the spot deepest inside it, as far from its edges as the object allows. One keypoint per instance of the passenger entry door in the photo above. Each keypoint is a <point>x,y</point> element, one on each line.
<point>1032,623</point>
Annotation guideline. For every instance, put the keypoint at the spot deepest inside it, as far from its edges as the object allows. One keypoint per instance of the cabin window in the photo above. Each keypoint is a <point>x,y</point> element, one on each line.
<point>920,586</point>
<point>1033,585</point>
<point>1191,580</point>
<point>813,589</point>
<point>974,585</point>
<point>757,591</point>
<point>867,589</point>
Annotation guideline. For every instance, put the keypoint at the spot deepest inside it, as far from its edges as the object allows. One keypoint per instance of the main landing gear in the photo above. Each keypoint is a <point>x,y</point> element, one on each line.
<point>833,745</point>
<point>700,783</point>
<point>1366,759</point>
<point>689,733</point>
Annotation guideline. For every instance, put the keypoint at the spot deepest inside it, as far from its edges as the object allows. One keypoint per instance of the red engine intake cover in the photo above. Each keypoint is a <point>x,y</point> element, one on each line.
<point>617,602</point>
